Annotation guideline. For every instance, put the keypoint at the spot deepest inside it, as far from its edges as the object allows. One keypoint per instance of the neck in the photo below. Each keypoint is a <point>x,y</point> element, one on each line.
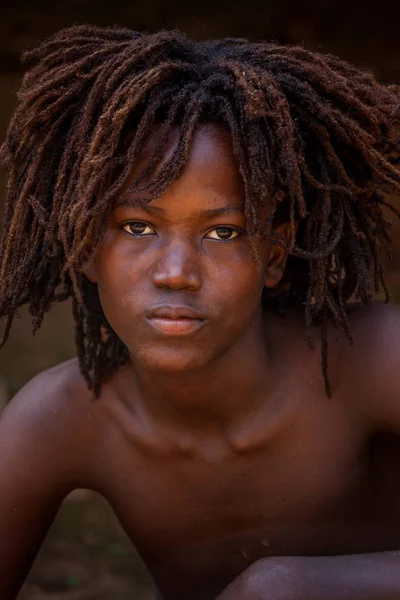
<point>214,398</point>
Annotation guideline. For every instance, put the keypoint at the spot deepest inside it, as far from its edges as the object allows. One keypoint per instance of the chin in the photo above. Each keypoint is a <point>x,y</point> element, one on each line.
<point>167,360</point>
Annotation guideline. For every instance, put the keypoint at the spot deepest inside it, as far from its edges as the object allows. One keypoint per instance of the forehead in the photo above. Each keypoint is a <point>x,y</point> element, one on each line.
<point>211,162</point>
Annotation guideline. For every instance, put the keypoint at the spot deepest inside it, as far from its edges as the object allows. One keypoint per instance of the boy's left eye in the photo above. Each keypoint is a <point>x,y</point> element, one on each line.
<point>141,229</point>
<point>224,233</point>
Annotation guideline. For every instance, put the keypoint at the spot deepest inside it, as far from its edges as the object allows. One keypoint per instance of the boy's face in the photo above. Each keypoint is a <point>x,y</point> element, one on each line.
<point>177,280</point>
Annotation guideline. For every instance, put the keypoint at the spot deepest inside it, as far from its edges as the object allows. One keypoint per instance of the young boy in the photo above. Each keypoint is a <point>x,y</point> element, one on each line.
<point>211,208</point>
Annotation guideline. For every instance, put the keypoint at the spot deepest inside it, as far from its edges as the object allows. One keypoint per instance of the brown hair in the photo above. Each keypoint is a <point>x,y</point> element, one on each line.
<point>314,138</point>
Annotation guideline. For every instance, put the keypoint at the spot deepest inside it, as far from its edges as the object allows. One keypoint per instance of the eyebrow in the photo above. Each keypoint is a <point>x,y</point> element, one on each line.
<point>207,213</point>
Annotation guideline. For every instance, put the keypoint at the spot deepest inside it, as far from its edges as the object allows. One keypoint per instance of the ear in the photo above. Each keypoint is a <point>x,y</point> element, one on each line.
<point>89,266</point>
<point>277,255</point>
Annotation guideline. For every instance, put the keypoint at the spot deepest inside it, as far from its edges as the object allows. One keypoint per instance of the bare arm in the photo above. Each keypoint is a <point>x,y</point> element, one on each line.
<point>35,476</point>
<point>374,576</point>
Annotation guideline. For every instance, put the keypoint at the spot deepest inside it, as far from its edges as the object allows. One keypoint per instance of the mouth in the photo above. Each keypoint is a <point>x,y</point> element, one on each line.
<point>175,320</point>
<point>181,326</point>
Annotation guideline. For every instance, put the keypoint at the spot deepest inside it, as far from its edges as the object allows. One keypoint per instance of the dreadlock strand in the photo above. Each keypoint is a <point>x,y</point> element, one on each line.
<point>314,139</point>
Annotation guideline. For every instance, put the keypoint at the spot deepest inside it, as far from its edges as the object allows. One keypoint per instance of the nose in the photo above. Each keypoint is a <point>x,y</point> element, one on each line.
<point>177,266</point>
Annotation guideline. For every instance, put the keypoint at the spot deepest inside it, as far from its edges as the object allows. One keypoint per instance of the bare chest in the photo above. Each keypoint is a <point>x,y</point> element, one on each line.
<point>200,519</point>
<point>194,519</point>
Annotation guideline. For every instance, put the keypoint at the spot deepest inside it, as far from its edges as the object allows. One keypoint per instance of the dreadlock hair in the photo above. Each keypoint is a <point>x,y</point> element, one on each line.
<point>314,138</point>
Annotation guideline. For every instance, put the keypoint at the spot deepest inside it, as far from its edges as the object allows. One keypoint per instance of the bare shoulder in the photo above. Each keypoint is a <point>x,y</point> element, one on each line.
<point>376,332</point>
<point>50,419</point>
<point>48,396</point>
<point>372,364</point>
<point>364,376</point>
<point>374,314</point>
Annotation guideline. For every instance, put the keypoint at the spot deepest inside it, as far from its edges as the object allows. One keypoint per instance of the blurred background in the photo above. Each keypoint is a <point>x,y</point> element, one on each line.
<point>86,555</point>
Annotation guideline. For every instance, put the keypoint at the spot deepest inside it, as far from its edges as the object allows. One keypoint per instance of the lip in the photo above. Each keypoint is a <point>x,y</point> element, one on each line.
<point>175,312</point>
<point>180,326</point>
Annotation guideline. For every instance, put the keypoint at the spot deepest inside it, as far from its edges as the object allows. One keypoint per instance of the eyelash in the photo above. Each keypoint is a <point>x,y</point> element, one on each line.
<point>137,235</point>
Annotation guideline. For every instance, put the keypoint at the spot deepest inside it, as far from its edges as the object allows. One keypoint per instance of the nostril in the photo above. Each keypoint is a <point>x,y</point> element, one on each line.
<point>177,266</point>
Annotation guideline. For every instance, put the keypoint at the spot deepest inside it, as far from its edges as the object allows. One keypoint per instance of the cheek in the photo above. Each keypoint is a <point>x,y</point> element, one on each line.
<point>240,269</point>
<point>243,296</point>
<point>118,281</point>
<point>118,265</point>
<point>241,282</point>
<point>237,285</point>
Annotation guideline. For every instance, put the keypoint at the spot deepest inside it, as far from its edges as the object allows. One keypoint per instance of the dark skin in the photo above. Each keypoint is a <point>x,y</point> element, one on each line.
<point>228,467</point>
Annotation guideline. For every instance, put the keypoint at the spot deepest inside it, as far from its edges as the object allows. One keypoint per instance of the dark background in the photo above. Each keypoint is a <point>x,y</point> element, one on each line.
<point>86,555</point>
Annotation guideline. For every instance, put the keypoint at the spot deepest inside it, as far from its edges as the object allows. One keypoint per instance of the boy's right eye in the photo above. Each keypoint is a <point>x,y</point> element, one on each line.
<point>138,228</point>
